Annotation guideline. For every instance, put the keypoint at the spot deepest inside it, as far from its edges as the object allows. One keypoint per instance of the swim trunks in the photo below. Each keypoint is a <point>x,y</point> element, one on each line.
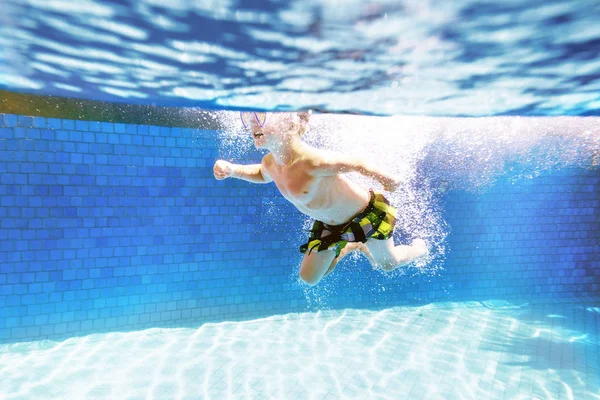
<point>376,221</point>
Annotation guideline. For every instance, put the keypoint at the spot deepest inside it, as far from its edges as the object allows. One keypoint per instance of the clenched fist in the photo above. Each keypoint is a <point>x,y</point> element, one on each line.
<point>223,169</point>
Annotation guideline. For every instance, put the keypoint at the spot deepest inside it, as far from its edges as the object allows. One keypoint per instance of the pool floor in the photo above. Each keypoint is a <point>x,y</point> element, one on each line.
<point>475,350</point>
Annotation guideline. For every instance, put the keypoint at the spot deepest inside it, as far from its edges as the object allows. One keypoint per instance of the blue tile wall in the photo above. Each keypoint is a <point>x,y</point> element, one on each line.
<point>536,239</point>
<point>108,227</point>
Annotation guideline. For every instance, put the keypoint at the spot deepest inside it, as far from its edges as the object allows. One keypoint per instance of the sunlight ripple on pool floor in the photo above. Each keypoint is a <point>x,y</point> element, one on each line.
<point>450,350</point>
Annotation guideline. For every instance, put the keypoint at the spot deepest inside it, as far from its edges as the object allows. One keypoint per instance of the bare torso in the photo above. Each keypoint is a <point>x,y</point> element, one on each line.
<point>331,199</point>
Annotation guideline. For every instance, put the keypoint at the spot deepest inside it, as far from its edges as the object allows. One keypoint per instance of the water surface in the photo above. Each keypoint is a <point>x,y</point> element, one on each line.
<point>459,58</point>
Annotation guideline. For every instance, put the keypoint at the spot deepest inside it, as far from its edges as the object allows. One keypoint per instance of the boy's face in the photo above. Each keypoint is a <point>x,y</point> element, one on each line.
<point>265,130</point>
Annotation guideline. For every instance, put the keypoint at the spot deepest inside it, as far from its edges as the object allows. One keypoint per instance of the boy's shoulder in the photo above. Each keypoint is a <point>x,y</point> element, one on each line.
<point>267,159</point>
<point>319,156</point>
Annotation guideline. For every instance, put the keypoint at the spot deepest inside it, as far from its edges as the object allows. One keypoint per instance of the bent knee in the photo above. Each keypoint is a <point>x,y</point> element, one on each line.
<point>309,277</point>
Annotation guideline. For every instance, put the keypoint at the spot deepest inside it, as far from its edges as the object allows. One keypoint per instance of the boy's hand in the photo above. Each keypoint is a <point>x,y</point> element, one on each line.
<point>222,169</point>
<point>391,184</point>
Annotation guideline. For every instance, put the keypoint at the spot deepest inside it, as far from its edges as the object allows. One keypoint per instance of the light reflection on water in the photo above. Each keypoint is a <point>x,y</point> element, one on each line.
<point>466,350</point>
<point>461,58</point>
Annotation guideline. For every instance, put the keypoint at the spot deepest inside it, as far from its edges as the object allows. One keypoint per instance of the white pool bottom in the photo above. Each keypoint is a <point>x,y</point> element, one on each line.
<point>440,351</point>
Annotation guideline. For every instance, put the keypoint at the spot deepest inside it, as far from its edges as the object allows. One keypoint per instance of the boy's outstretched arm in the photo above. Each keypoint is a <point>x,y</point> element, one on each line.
<point>254,173</point>
<point>336,163</point>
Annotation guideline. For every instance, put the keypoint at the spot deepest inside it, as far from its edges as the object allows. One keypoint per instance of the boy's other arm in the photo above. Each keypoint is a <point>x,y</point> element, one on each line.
<point>336,163</point>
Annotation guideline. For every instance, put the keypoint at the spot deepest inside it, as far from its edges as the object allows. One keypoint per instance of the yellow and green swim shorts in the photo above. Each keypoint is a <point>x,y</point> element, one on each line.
<point>376,221</point>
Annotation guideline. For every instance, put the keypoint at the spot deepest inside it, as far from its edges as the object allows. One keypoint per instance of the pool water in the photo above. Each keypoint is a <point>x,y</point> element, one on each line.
<point>459,58</point>
<point>411,60</point>
<point>471,350</point>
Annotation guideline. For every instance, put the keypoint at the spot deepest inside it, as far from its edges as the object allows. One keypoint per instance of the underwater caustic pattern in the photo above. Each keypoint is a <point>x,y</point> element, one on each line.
<point>489,350</point>
<point>467,57</point>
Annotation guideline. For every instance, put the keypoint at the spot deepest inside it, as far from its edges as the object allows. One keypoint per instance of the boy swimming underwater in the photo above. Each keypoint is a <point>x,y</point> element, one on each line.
<point>347,216</point>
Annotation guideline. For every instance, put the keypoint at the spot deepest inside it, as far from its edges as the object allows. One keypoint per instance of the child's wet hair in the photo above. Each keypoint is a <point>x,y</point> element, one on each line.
<point>304,117</point>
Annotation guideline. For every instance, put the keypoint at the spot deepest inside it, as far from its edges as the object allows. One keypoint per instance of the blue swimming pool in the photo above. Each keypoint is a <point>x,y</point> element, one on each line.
<point>127,271</point>
<point>120,232</point>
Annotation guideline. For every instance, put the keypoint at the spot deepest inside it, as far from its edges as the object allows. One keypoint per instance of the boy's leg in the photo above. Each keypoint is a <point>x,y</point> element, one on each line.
<point>317,265</point>
<point>389,257</point>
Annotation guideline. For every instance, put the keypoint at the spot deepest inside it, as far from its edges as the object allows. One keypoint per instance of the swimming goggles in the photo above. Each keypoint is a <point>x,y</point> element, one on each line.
<point>249,117</point>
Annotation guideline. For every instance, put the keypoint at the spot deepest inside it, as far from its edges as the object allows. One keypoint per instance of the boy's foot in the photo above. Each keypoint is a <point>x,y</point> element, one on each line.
<point>362,247</point>
<point>420,247</point>
<point>355,246</point>
<point>350,247</point>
